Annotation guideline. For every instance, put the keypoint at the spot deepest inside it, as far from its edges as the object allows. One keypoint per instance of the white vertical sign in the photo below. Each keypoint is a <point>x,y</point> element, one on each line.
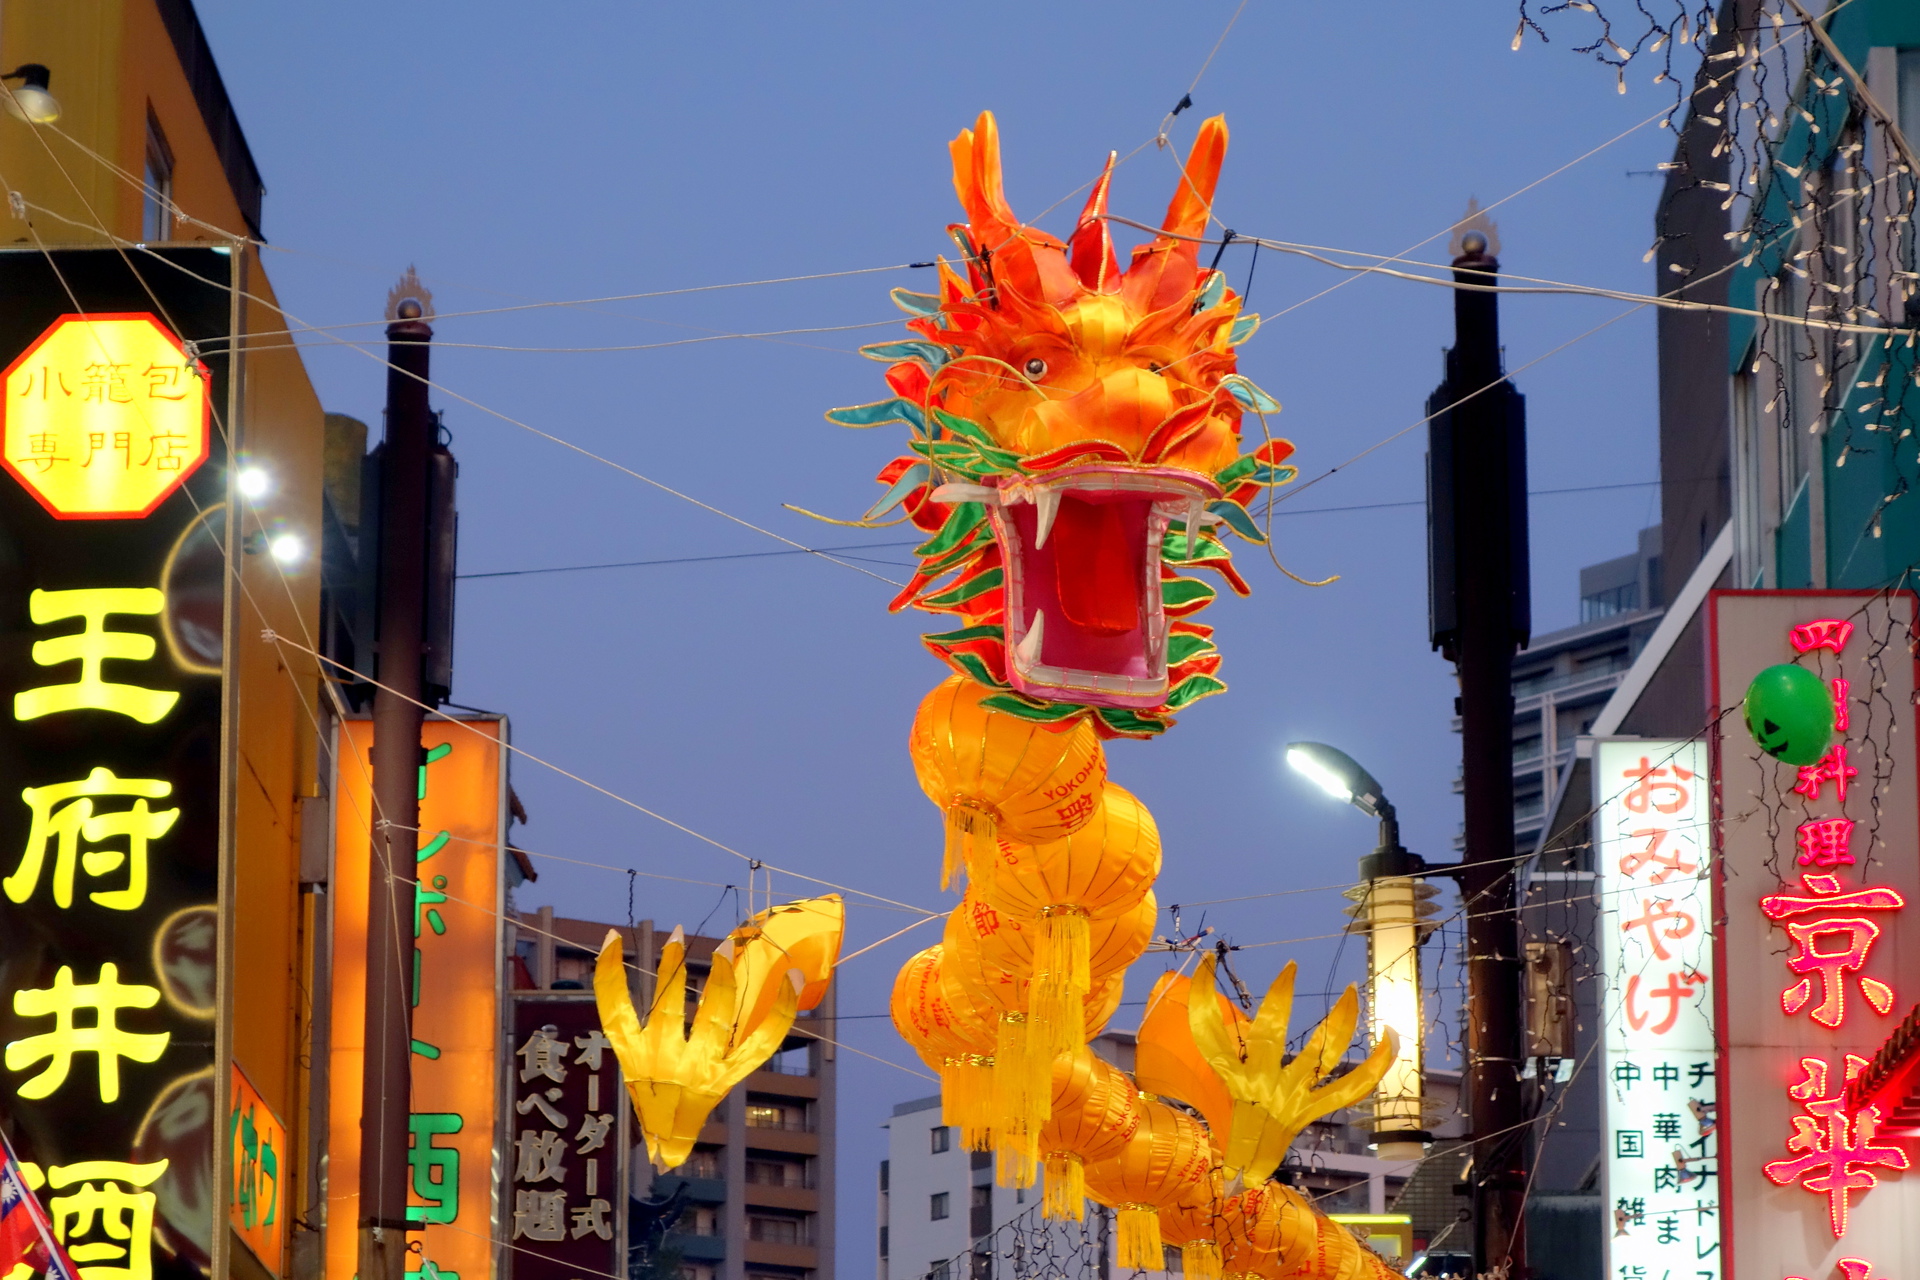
<point>1819,945</point>
<point>1653,854</point>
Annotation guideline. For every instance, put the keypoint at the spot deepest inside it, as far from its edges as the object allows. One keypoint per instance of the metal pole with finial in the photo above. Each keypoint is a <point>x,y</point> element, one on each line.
<point>1481,613</point>
<point>398,714</point>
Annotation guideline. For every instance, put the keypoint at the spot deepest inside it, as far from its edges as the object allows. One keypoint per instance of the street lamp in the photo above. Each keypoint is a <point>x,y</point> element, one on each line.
<point>1390,904</point>
<point>31,101</point>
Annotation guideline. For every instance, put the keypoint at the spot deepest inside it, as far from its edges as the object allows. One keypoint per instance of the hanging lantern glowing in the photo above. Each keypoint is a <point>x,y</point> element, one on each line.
<point>954,1040</point>
<point>991,957</point>
<point>1267,1231</point>
<point>676,1074</point>
<point>1274,1099</point>
<point>1094,1114</point>
<point>1789,712</point>
<point>1096,873</point>
<point>992,773</point>
<point>1196,1227</point>
<point>1167,1160</point>
<point>1336,1254</point>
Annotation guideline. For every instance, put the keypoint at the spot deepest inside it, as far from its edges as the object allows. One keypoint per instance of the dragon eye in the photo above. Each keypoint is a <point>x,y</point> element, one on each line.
<point>1156,368</point>
<point>1036,367</point>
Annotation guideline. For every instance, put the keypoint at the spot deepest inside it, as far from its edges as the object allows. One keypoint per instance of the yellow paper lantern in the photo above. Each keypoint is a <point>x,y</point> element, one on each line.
<point>1267,1231</point>
<point>989,959</point>
<point>1167,1160</point>
<point>1094,1114</point>
<point>955,1040</point>
<point>1099,872</point>
<point>1196,1227</point>
<point>1336,1254</point>
<point>995,774</point>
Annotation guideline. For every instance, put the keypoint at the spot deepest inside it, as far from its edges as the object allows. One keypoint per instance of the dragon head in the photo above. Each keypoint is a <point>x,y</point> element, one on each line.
<point>1077,445</point>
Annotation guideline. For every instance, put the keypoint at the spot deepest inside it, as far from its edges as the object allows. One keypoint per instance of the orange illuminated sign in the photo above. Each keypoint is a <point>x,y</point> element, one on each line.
<point>260,1163</point>
<point>104,416</point>
<point>456,1015</point>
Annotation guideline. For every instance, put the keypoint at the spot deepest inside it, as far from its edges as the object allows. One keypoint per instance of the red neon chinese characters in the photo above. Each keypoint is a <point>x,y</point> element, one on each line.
<point>1840,686</point>
<point>1832,767</point>
<point>1669,864</point>
<point>1857,934</point>
<point>1835,1144</point>
<point>1657,912</point>
<point>1823,633</point>
<point>1653,783</point>
<point>1850,1269</point>
<point>1680,986</point>
<point>1824,842</point>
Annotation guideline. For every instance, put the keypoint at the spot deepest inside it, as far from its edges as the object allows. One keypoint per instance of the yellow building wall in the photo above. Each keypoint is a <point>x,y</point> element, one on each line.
<point>113,62</point>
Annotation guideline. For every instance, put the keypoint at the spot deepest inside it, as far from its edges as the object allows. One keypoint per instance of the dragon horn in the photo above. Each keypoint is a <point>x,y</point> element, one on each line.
<point>1193,199</point>
<point>1093,257</point>
<point>977,181</point>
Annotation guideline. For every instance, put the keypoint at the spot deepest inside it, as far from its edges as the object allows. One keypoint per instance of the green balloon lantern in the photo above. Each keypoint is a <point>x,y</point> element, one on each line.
<point>1790,713</point>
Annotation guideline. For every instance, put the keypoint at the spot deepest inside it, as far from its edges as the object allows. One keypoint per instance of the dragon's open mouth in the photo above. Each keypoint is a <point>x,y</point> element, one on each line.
<point>1082,548</point>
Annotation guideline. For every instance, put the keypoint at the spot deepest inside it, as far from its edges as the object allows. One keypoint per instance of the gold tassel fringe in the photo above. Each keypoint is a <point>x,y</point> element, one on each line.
<point>1017,1114</point>
<point>966,1099</point>
<point>967,819</point>
<point>1015,1160</point>
<point>1066,1195</point>
<point>1201,1260</point>
<point>1139,1239</point>
<point>1062,979</point>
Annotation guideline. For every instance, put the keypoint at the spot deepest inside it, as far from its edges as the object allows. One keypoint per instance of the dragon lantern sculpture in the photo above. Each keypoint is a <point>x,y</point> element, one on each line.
<point>1076,452</point>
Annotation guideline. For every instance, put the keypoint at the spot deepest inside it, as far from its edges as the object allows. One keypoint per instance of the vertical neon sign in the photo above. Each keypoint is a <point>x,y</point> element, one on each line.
<point>111,824</point>
<point>1653,858</point>
<point>457,961</point>
<point>1820,869</point>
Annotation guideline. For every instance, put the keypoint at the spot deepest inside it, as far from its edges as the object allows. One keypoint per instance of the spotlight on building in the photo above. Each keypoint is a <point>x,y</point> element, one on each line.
<point>31,101</point>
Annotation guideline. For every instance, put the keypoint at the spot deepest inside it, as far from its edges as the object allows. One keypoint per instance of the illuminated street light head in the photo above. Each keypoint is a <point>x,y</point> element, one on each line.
<point>253,482</point>
<point>32,101</point>
<point>1340,776</point>
<point>287,548</point>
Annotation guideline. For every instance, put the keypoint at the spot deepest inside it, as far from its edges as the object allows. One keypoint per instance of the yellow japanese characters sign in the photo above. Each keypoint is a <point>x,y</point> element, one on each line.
<point>457,965</point>
<point>104,416</point>
<point>117,1011</point>
<point>259,1158</point>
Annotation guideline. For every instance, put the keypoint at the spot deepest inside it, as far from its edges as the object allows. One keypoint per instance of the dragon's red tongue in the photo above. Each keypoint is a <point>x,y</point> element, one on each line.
<point>1096,566</point>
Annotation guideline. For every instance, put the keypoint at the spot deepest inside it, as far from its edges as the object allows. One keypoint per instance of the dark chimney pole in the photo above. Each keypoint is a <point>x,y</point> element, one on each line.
<point>1481,614</point>
<point>398,714</point>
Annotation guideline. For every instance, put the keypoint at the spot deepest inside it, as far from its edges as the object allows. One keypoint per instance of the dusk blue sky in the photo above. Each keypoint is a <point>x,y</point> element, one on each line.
<point>589,149</point>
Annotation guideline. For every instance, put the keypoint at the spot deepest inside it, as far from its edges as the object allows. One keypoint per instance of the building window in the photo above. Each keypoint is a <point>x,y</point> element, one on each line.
<point>156,208</point>
<point>942,1138</point>
<point>939,1269</point>
<point>787,1173</point>
<point>772,1230</point>
<point>937,1206</point>
<point>703,1163</point>
<point>762,1115</point>
<point>883,1240</point>
<point>886,1173</point>
<point>1608,603</point>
